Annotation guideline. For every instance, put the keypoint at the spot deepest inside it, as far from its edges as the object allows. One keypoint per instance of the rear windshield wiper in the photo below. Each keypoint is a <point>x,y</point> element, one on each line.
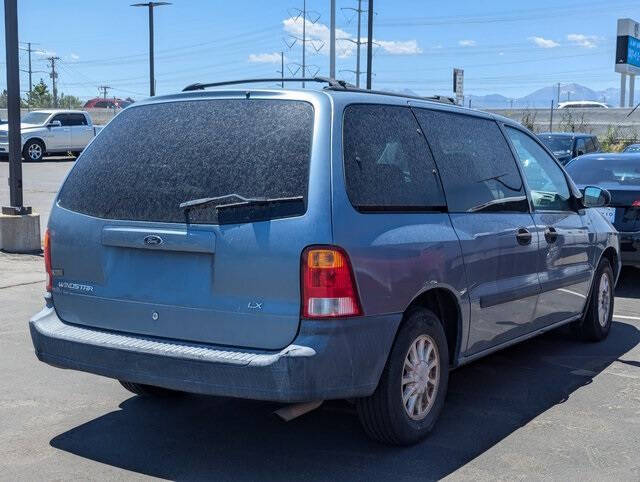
<point>187,206</point>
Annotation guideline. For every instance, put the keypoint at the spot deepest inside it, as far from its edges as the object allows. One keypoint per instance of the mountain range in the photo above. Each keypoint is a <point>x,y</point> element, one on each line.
<point>541,98</point>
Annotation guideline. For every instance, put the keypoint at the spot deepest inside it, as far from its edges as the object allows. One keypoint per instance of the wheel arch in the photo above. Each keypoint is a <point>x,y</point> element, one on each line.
<point>35,138</point>
<point>446,305</point>
<point>611,254</point>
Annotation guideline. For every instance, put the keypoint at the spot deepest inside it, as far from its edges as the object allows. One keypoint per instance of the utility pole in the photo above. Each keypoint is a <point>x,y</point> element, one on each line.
<point>332,42</point>
<point>369,44</point>
<point>104,89</point>
<point>312,17</point>
<point>151,6</point>
<point>358,40</point>
<point>304,39</point>
<point>281,71</point>
<point>558,92</point>
<point>54,78</point>
<point>29,71</point>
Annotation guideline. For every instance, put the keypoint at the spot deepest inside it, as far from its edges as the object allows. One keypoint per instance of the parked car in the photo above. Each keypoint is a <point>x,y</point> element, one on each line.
<point>620,175</point>
<point>567,145</point>
<point>102,103</point>
<point>632,148</point>
<point>582,104</point>
<point>51,131</point>
<point>304,245</point>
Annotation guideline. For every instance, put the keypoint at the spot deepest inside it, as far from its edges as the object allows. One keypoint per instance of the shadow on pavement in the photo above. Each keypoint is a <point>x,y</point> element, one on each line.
<point>195,437</point>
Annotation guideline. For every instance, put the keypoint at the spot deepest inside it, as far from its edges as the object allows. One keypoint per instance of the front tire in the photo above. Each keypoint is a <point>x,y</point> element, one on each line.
<point>413,385</point>
<point>599,316</point>
<point>33,150</point>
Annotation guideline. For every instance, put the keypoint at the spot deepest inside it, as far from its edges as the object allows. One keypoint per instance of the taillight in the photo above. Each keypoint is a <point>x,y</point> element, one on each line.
<point>47,259</point>
<point>328,287</point>
<point>636,203</point>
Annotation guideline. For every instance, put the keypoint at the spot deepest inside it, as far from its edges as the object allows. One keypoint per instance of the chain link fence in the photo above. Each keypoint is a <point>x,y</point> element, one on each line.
<point>615,128</point>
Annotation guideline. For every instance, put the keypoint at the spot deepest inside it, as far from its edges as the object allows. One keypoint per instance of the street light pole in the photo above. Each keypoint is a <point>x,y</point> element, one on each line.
<point>152,78</point>
<point>13,109</point>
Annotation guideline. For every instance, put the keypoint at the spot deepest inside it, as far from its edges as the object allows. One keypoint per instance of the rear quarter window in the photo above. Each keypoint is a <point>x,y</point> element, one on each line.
<point>151,158</point>
<point>387,161</point>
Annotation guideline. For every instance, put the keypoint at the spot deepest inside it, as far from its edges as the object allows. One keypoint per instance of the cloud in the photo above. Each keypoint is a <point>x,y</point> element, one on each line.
<point>273,58</point>
<point>318,35</point>
<point>74,56</point>
<point>544,43</point>
<point>581,40</point>
<point>467,43</point>
<point>45,53</point>
<point>396,47</point>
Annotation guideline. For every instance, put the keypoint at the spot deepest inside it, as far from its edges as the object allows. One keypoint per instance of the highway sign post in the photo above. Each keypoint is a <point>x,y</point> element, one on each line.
<point>627,56</point>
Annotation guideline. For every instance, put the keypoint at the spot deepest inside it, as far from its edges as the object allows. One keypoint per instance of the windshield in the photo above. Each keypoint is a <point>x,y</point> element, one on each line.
<point>35,118</point>
<point>151,158</point>
<point>557,143</point>
<point>597,171</point>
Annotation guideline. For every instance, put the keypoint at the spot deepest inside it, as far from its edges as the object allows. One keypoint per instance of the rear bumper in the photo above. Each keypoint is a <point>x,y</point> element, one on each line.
<point>630,248</point>
<point>327,360</point>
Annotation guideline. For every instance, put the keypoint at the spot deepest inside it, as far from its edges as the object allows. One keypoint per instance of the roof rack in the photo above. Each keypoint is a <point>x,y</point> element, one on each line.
<point>433,98</point>
<point>333,83</point>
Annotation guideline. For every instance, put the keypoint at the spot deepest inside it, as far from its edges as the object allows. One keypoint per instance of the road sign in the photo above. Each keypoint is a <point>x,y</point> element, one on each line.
<point>458,84</point>
<point>628,47</point>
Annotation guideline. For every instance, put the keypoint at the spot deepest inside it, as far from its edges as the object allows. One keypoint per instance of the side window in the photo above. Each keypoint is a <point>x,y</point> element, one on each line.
<point>77,120</point>
<point>477,167</point>
<point>62,118</point>
<point>387,160</point>
<point>591,147</point>
<point>101,104</point>
<point>548,185</point>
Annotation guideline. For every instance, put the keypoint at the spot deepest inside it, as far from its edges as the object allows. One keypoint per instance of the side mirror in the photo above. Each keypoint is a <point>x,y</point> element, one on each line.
<point>55,123</point>
<point>595,197</point>
<point>580,153</point>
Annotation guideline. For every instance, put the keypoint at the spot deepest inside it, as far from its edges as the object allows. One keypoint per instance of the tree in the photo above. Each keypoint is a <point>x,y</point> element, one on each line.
<point>40,96</point>
<point>69,102</point>
<point>3,99</point>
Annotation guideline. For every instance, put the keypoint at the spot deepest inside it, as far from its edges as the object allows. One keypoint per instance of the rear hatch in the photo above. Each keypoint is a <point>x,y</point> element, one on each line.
<point>124,256</point>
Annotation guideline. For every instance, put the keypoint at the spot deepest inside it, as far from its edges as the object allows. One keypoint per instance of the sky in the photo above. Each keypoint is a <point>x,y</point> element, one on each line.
<point>509,47</point>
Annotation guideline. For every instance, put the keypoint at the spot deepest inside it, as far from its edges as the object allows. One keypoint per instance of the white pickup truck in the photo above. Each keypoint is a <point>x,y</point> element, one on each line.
<point>51,131</point>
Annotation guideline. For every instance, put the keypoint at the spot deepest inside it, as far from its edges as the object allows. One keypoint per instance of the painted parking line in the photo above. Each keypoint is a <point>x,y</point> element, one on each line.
<point>624,317</point>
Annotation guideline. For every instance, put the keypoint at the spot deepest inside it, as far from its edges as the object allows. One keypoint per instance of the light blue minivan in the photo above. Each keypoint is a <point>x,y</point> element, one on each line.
<point>305,245</point>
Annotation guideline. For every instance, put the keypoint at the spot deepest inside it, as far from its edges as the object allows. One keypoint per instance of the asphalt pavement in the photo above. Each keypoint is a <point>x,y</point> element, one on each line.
<point>550,408</point>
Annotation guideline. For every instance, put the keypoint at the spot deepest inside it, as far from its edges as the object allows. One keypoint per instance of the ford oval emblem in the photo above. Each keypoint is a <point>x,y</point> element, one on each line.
<point>153,240</point>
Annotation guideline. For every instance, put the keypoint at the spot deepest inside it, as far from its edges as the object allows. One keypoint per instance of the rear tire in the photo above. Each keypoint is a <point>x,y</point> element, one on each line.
<point>597,321</point>
<point>33,150</point>
<point>148,390</point>
<point>413,385</point>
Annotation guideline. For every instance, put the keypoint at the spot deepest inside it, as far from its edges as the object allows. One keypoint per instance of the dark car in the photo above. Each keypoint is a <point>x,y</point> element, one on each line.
<point>567,145</point>
<point>632,148</point>
<point>620,174</point>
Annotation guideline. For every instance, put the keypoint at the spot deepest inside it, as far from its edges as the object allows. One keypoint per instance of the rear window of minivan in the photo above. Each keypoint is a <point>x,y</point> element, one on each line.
<point>151,158</point>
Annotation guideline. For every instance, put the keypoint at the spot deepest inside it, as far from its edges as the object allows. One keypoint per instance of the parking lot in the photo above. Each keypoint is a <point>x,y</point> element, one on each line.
<point>550,408</point>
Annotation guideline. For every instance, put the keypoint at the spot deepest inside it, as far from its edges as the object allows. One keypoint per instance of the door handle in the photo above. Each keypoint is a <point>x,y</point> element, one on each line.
<point>523,236</point>
<point>550,234</point>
